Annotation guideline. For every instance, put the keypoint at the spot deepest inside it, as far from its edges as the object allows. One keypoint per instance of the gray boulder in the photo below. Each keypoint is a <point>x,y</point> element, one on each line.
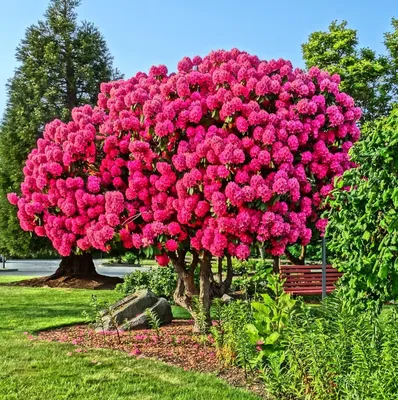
<point>226,299</point>
<point>161,309</point>
<point>130,311</point>
<point>128,308</point>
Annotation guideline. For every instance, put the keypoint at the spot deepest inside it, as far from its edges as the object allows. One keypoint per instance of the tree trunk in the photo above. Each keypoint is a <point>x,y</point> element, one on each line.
<point>76,266</point>
<point>276,265</point>
<point>297,260</point>
<point>187,290</point>
<point>221,287</point>
<point>204,294</point>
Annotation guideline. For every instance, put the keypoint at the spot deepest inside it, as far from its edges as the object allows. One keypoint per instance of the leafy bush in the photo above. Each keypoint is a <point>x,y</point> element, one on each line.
<point>246,332</point>
<point>331,353</point>
<point>230,334</point>
<point>253,276</point>
<point>162,281</point>
<point>363,221</point>
<point>129,258</point>
<point>328,352</point>
<point>270,318</point>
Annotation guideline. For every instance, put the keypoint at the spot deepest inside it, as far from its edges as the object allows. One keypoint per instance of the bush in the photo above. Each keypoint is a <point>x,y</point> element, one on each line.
<point>129,258</point>
<point>328,352</point>
<point>331,353</point>
<point>270,319</point>
<point>253,276</point>
<point>246,332</point>
<point>162,281</point>
<point>363,221</point>
<point>229,331</point>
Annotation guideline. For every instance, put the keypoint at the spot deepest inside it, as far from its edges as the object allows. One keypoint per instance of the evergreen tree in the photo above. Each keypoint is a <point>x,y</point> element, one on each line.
<point>61,64</point>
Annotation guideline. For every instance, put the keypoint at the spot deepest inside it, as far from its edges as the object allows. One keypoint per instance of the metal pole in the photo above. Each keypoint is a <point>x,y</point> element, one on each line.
<point>276,265</point>
<point>323,267</point>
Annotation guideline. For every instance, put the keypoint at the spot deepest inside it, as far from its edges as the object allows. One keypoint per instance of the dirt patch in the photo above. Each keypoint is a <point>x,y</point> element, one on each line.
<point>175,344</point>
<point>71,282</point>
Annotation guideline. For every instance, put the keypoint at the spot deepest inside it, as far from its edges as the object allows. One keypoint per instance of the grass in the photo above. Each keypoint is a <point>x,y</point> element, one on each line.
<point>34,370</point>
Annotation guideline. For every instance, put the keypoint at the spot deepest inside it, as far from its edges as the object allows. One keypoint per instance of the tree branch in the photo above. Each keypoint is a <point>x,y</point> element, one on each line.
<point>296,260</point>
<point>220,269</point>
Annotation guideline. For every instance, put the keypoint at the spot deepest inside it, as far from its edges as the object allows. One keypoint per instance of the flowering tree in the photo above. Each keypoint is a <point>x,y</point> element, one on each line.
<point>227,153</point>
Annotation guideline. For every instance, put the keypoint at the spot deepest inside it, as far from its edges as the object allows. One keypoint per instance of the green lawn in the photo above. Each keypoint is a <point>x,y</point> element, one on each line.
<point>32,370</point>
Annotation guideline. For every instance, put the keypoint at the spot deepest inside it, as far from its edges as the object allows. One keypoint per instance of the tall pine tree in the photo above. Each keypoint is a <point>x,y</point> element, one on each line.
<point>61,64</point>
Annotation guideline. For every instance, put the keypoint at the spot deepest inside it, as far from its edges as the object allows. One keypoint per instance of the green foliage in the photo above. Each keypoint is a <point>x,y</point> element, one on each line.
<point>201,320</point>
<point>270,318</point>
<point>252,276</point>
<point>366,76</point>
<point>162,281</point>
<point>313,251</point>
<point>96,311</point>
<point>129,258</point>
<point>153,321</point>
<point>391,43</point>
<point>231,337</point>
<point>363,227</point>
<point>331,353</point>
<point>61,65</point>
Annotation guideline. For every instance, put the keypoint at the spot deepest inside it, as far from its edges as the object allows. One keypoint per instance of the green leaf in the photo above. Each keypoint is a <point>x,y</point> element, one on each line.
<point>271,339</point>
<point>366,235</point>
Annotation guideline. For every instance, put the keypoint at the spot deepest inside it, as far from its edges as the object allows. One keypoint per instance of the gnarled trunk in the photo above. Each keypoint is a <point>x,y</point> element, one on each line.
<point>75,271</point>
<point>76,266</point>
<point>222,286</point>
<point>187,289</point>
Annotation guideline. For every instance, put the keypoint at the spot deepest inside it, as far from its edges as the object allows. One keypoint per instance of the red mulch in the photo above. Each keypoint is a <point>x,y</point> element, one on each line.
<point>177,345</point>
<point>71,282</point>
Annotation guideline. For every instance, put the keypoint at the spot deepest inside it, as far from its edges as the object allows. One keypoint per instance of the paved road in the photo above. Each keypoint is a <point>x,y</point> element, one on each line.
<point>48,267</point>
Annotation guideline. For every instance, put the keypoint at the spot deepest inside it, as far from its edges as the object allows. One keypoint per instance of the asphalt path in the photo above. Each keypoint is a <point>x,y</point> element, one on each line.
<point>48,267</point>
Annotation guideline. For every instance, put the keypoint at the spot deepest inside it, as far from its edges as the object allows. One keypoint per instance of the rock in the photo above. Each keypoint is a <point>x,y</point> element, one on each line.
<point>127,309</point>
<point>226,299</point>
<point>163,311</point>
<point>129,312</point>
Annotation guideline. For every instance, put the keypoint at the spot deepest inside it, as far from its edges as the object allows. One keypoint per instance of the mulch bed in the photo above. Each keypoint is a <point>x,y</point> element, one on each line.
<point>176,345</point>
<point>70,282</point>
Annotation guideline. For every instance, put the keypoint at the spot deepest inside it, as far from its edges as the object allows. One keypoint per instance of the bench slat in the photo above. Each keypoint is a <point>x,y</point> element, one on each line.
<point>310,292</point>
<point>312,266</point>
<point>307,279</point>
<point>307,273</point>
<point>304,270</point>
<point>309,276</point>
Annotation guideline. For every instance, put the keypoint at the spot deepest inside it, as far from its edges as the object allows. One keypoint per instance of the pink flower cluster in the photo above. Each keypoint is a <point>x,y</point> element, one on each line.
<point>227,152</point>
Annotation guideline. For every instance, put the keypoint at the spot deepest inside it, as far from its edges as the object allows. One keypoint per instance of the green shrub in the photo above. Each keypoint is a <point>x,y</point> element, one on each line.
<point>162,281</point>
<point>327,352</point>
<point>270,319</point>
<point>231,338</point>
<point>331,353</point>
<point>130,258</point>
<point>253,276</point>
<point>363,221</point>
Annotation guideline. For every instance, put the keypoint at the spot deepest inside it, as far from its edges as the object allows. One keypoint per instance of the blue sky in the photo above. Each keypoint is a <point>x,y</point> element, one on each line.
<point>147,32</point>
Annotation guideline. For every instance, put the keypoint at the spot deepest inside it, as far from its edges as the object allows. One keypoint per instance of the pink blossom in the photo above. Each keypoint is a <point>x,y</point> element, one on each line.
<point>227,151</point>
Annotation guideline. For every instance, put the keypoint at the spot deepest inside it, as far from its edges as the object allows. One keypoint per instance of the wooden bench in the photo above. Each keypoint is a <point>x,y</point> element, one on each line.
<point>307,279</point>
